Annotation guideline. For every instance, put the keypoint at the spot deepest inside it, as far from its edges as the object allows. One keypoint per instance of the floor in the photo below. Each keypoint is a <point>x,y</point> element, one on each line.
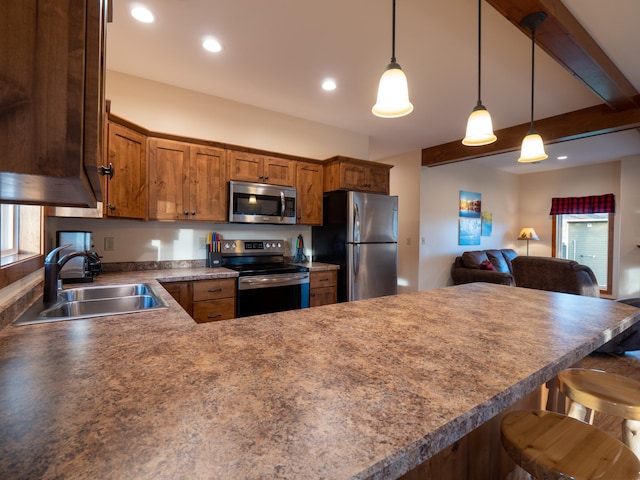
<point>627,365</point>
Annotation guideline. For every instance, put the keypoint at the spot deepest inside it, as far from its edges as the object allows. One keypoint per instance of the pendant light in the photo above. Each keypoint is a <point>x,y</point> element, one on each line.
<point>393,92</point>
<point>532,146</point>
<point>479,125</point>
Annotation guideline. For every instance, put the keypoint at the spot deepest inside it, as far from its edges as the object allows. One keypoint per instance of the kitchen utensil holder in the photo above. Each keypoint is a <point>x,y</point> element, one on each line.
<point>214,259</point>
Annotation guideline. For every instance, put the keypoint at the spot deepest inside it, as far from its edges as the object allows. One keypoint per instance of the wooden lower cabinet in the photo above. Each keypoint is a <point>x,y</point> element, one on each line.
<point>206,300</point>
<point>323,288</point>
<point>214,300</point>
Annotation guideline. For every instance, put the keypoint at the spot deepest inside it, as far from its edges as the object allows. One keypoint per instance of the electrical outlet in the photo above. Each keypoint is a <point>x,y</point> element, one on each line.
<point>408,240</point>
<point>108,244</point>
<point>202,242</point>
<point>422,241</point>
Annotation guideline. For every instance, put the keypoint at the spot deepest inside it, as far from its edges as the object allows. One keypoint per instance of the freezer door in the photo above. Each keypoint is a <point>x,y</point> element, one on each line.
<point>372,218</point>
<point>372,270</point>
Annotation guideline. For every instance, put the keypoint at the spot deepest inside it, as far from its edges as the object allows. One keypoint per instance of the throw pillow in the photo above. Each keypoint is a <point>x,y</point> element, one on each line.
<point>474,259</point>
<point>486,265</point>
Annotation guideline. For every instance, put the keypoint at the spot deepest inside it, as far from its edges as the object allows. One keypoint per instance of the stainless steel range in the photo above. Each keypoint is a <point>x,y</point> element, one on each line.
<point>267,283</point>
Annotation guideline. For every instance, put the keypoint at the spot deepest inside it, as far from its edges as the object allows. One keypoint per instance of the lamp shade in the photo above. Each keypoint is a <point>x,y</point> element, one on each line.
<point>528,233</point>
<point>532,149</point>
<point>479,128</point>
<point>393,94</point>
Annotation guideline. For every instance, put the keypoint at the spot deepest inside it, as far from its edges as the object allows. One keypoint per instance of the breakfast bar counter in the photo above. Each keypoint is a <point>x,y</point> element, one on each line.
<point>367,389</point>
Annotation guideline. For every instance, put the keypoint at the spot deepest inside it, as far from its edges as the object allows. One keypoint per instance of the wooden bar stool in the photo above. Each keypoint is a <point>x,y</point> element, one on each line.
<point>607,393</point>
<point>551,446</point>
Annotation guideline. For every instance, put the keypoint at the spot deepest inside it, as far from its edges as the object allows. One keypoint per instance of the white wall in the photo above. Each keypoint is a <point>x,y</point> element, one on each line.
<point>167,109</point>
<point>537,190</point>
<point>439,203</point>
<point>405,182</point>
<point>628,210</point>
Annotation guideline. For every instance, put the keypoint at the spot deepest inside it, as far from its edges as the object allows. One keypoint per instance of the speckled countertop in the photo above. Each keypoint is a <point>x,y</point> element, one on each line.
<point>367,389</point>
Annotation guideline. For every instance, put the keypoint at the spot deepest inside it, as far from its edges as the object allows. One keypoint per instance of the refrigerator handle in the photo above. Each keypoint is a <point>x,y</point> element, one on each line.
<point>356,223</point>
<point>356,259</point>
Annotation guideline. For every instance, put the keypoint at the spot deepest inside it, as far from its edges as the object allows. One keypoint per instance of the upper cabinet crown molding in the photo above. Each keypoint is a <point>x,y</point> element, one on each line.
<point>51,116</point>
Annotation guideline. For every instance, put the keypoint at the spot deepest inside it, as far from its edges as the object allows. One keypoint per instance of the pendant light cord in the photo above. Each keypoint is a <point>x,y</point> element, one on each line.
<point>479,50</point>
<point>533,48</point>
<point>393,33</point>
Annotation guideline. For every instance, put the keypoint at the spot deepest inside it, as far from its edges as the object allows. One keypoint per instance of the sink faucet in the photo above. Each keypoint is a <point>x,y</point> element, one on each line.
<point>52,267</point>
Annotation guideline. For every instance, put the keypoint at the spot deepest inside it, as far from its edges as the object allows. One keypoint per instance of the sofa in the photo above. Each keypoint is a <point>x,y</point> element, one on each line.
<point>491,266</point>
<point>555,275</point>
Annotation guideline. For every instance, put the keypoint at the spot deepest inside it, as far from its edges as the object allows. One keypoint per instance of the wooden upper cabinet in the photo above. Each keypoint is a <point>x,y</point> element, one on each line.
<point>207,183</point>
<point>51,101</point>
<point>186,181</point>
<point>252,167</point>
<point>343,173</point>
<point>309,193</point>
<point>126,192</point>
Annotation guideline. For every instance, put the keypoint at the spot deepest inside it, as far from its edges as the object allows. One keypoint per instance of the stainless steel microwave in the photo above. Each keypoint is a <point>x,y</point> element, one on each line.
<point>261,203</point>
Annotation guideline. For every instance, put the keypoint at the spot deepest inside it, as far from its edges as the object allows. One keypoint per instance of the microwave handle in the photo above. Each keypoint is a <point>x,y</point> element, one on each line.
<point>282,205</point>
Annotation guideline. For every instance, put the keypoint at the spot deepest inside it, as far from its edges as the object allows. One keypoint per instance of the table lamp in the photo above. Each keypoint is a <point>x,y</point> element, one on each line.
<point>528,233</point>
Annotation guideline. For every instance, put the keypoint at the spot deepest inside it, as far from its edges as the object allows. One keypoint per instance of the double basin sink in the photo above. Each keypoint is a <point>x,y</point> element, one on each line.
<point>95,301</point>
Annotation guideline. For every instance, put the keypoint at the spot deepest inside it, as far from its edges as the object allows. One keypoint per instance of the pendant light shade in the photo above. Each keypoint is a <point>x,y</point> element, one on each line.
<point>393,91</point>
<point>479,125</point>
<point>532,146</point>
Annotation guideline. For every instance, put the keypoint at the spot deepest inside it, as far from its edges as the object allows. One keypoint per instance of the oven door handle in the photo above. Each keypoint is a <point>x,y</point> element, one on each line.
<point>247,283</point>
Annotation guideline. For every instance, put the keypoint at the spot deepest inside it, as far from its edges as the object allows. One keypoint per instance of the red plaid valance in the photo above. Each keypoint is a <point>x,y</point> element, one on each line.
<point>594,204</point>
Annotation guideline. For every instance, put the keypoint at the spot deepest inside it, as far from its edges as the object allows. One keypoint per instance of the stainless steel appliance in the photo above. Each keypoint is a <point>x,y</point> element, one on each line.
<point>359,233</point>
<point>266,282</point>
<point>261,203</point>
<point>81,268</point>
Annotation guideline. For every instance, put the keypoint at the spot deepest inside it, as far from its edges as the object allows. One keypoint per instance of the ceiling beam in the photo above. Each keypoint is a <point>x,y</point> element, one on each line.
<point>587,122</point>
<point>563,38</point>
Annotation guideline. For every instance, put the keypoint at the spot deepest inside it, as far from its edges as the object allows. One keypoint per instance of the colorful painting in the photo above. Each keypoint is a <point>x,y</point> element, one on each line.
<point>470,204</point>
<point>469,231</point>
<point>487,223</point>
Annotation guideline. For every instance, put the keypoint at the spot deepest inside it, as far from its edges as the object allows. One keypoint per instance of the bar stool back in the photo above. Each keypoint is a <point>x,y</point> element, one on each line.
<point>551,446</point>
<point>607,393</point>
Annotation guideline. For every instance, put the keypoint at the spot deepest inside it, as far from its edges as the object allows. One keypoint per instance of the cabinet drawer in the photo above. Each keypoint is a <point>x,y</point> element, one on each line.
<point>213,289</point>
<point>323,279</point>
<point>214,310</point>
<point>322,296</point>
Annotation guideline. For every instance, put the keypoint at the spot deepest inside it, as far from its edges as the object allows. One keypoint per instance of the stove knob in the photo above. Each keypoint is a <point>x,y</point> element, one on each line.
<point>233,245</point>
<point>226,246</point>
<point>279,245</point>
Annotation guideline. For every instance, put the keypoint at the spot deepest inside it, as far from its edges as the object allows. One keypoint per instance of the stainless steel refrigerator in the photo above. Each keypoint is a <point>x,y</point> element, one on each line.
<point>359,233</point>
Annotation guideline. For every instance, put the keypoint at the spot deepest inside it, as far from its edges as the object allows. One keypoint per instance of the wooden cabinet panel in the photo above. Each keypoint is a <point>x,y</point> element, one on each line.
<point>181,292</point>
<point>187,181</point>
<point>251,167</point>
<point>323,288</point>
<point>343,173</point>
<point>309,191</point>
<point>51,101</point>
<point>168,167</point>
<point>214,289</point>
<point>207,183</point>
<point>126,191</point>
<point>214,310</point>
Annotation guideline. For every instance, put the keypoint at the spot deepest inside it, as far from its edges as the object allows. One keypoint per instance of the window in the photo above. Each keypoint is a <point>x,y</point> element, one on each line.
<point>583,231</point>
<point>21,241</point>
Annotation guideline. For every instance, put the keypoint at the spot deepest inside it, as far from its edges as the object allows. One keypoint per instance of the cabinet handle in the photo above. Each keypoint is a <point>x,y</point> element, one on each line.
<point>214,290</point>
<point>106,170</point>
<point>266,177</point>
<point>217,315</point>
<point>312,294</point>
<point>193,213</point>
<point>185,213</point>
<point>111,207</point>
<point>323,279</point>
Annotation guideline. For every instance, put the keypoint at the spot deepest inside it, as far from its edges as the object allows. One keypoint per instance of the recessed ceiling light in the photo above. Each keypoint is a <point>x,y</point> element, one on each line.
<point>142,14</point>
<point>329,84</point>
<point>562,157</point>
<point>211,44</point>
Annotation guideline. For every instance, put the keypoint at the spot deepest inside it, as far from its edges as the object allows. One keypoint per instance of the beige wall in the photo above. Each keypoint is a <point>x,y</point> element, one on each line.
<point>628,209</point>
<point>167,109</point>
<point>439,202</point>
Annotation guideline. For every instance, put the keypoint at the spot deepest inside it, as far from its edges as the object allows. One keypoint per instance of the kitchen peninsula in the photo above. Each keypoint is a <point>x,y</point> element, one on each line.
<point>367,389</point>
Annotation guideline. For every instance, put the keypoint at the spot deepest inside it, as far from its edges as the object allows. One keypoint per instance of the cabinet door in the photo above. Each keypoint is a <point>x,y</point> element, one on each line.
<point>309,191</point>
<point>279,171</point>
<point>126,191</point>
<point>214,310</point>
<point>168,182</point>
<point>245,167</point>
<point>51,108</point>
<point>353,177</point>
<point>181,292</point>
<point>322,296</point>
<point>207,183</point>
<point>378,181</point>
